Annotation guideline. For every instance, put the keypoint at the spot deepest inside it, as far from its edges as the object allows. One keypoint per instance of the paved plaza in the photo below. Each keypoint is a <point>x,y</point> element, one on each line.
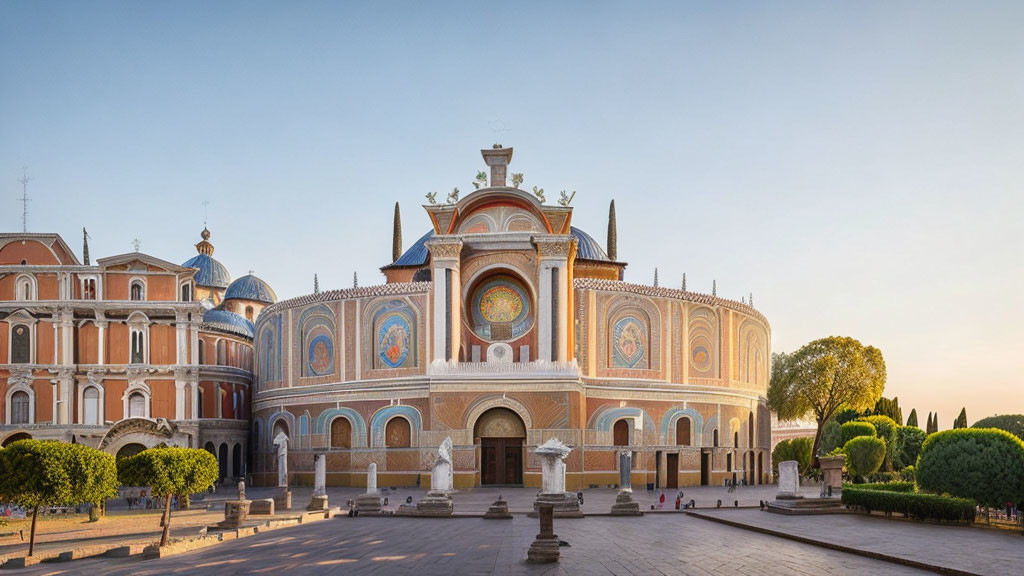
<point>656,544</point>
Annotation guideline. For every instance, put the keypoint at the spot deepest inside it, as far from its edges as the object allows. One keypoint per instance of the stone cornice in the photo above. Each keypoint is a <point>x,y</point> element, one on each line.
<point>394,289</point>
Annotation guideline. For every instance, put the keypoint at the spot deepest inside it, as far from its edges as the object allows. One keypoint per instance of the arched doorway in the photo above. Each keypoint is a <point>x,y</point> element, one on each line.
<point>15,437</point>
<point>222,460</point>
<point>501,433</point>
<point>129,450</point>
<point>236,461</point>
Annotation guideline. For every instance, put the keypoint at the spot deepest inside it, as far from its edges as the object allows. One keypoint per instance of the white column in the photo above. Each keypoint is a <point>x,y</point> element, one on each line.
<point>194,331</point>
<point>180,331</point>
<point>218,401</point>
<point>445,254</point>
<point>563,311</point>
<point>195,400</point>
<point>544,310</point>
<point>440,297</point>
<point>101,330</point>
<point>179,400</point>
<point>553,261</point>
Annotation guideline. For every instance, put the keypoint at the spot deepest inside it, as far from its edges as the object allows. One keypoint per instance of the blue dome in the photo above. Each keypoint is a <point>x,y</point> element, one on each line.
<point>416,255</point>
<point>221,319</point>
<point>212,274</point>
<point>586,247</point>
<point>249,287</point>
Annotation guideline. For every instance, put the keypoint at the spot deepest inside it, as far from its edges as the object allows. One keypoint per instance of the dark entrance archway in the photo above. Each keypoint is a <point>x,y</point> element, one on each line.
<point>129,450</point>
<point>501,433</point>
<point>15,437</point>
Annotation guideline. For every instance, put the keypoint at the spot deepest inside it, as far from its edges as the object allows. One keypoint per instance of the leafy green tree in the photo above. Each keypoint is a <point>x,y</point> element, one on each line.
<point>984,464</point>
<point>798,449</point>
<point>851,430</point>
<point>844,415</point>
<point>169,471</point>
<point>824,376</point>
<point>961,420</point>
<point>1012,423</point>
<point>887,407</point>
<point>831,438</point>
<point>864,455</point>
<point>910,440</point>
<point>885,428</point>
<point>912,419</point>
<point>37,473</point>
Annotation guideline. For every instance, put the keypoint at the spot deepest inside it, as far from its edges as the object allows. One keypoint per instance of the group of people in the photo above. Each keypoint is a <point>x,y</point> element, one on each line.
<point>140,498</point>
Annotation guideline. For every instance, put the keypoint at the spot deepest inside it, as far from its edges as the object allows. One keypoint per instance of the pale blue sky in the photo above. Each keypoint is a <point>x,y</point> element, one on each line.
<point>857,166</point>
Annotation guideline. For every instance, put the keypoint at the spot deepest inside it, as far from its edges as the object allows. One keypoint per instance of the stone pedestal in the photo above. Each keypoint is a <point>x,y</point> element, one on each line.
<point>789,481</point>
<point>544,549</point>
<point>369,504</point>
<point>317,503</point>
<point>283,499</point>
<point>435,504</point>
<point>236,514</point>
<point>498,511</point>
<point>832,474</point>
<point>262,507</point>
<point>565,505</point>
<point>624,504</point>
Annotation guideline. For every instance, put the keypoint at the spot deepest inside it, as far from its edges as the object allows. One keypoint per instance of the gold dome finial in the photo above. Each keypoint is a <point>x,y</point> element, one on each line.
<point>205,247</point>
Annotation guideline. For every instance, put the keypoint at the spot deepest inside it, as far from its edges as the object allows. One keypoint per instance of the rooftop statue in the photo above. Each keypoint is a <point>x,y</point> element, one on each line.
<point>453,196</point>
<point>432,197</point>
<point>517,179</point>
<point>539,193</point>
<point>480,180</point>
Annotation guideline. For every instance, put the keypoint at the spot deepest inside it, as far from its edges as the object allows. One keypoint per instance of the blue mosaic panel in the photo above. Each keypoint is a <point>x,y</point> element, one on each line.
<point>629,343</point>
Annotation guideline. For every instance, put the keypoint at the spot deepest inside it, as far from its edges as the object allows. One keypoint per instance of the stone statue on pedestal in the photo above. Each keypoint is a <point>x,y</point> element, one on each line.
<point>624,504</point>
<point>283,498</point>
<point>370,503</point>
<point>553,454</point>
<point>319,499</point>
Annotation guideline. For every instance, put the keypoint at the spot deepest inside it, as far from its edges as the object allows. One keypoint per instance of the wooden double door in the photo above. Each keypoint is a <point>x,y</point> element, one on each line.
<point>501,461</point>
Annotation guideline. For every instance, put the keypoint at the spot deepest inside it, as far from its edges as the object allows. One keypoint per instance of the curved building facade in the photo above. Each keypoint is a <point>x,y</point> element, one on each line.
<point>502,327</point>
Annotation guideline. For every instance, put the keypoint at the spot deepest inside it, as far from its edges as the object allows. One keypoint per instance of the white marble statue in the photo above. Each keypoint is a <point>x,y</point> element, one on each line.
<point>281,441</point>
<point>626,470</point>
<point>371,479</point>
<point>553,453</point>
<point>441,476</point>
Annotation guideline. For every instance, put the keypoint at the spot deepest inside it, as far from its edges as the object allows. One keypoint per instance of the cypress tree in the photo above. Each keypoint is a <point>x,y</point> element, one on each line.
<point>613,235</point>
<point>396,237</point>
<point>912,419</point>
<point>961,420</point>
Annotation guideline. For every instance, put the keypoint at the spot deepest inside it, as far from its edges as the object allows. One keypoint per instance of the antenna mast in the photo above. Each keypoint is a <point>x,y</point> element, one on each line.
<point>24,198</point>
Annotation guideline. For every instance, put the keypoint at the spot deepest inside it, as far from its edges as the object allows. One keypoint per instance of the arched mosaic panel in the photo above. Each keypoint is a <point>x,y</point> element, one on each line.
<point>269,347</point>
<point>316,329</point>
<point>603,420</point>
<point>380,419</point>
<point>753,353</point>
<point>669,420</point>
<point>702,357</point>
<point>500,309</point>
<point>394,330</point>
<point>358,424</point>
<point>629,342</point>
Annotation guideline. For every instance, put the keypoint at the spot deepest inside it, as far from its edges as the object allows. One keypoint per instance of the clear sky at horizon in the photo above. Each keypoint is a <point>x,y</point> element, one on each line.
<point>858,167</point>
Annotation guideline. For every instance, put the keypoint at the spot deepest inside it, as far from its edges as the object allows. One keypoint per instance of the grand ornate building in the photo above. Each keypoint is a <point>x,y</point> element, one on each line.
<point>501,327</point>
<point>126,353</point>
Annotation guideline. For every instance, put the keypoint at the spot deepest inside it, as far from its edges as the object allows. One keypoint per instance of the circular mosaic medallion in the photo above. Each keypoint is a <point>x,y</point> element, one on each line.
<point>500,309</point>
<point>701,358</point>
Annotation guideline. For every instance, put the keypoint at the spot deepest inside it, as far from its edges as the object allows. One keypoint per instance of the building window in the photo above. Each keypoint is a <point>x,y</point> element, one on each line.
<point>91,406</point>
<point>21,344</point>
<point>186,292</point>
<point>397,433</point>
<point>728,462</point>
<point>25,288</point>
<point>137,405</point>
<point>138,290</point>
<point>683,432</point>
<point>138,347</point>
<point>89,289</point>
<point>202,352</point>
<point>620,433</point>
<point>199,402</point>
<point>341,433</point>
<point>248,313</point>
<point>715,438</point>
<point>20,403</point>
<point>735,439</point>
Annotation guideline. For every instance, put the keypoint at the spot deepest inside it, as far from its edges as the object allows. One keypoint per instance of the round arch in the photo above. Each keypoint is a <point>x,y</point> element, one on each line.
<point>485,404</point>
<point>14,438</point>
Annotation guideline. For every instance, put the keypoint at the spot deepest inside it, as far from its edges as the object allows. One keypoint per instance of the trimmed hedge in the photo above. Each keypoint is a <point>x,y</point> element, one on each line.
<point>911,504</point>
<point>851,430</point>
<point>864,455</point>
<point>886,429</point>
<point>983,464</point>
<point>884,486</point>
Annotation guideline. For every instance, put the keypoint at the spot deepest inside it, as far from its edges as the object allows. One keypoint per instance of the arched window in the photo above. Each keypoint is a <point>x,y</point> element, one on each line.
<point>89,289</point>
<point>20,403</point>
<point>21,344</point>
<point>222,352</point>
<point>199,402</point>
<point>683,432</point>
<point>91,406</point>
<point>750,430</point>
<point>248,313</point>
<point>186,292</point>
<point>25,288</point>
<point>341,433</point>
<point>137,405</point>
<point>735,439</point>
<point>138,347</point>
<point>715,438</point>
<point>397,433</point>
<point>620,433</point>
<point>202,352</point>
<point>138,291</point>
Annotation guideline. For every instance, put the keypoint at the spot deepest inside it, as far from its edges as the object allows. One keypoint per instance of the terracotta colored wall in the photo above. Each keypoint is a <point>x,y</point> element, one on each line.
<point>88,344</point>
<point>117,343</point>
<point>162,344</point>
<point>4,332</point>
<point>162,288</point>
<point>46,286</point>
<point>163,398</point>
<point>44,342</point>
<point>44,400</point>
<point>209,400</point>
<point>227,409</point>
<point>33,252</point>
<point>113,404</point>
<point>7,287</point>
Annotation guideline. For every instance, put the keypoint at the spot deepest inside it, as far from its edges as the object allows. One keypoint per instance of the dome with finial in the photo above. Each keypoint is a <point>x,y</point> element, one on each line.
<point>212,274</point>
<point>250,287</point>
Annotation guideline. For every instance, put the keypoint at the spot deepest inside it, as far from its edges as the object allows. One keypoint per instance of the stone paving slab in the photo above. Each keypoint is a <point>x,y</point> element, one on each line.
<point>664,544</point>
<point>963,549</point>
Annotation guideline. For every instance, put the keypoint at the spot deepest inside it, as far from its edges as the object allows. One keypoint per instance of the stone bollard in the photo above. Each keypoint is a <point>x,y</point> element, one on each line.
<point>544,549</point>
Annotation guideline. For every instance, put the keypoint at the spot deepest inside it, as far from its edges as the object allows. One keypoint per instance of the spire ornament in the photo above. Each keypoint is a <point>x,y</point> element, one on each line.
<point>316,284</point>
<point>655,277</point>
<point>684,282</point>
<point>205,247</point>
<point>396,236</point>
<point>355,280</point>
<point>613,236</point>
<point>714,287</point>
<point>85,246</point>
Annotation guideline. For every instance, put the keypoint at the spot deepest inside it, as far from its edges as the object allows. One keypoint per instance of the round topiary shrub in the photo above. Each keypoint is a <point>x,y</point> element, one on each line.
<point>985,465</point>
<point>798,449</point>
<point>886,429</point>
<point>864,455</point>
<point>851,430</point>
<point>910,439</point>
